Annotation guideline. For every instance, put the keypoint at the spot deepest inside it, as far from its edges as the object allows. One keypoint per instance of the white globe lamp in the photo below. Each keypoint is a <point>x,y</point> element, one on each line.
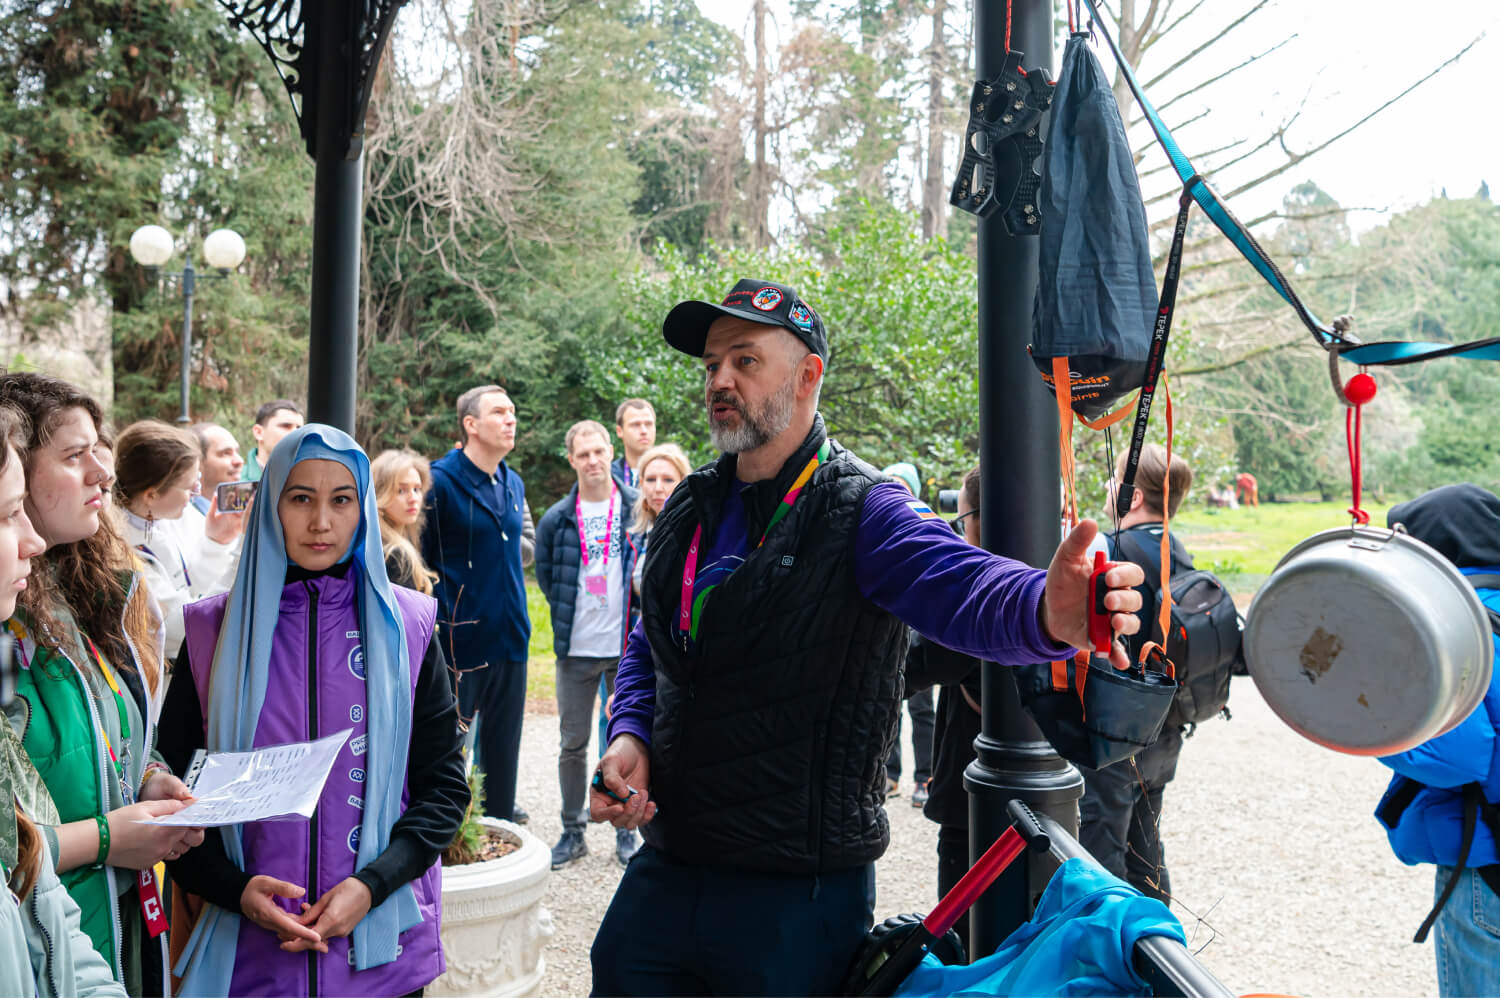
<point>223,249</point>
<point>151,245</point>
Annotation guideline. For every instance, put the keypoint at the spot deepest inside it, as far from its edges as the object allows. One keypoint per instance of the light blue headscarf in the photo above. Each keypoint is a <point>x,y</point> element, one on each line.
<point>241,672</point>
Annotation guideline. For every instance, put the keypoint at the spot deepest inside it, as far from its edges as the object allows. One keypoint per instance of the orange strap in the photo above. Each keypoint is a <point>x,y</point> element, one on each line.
<point>1105,422</point>
<point>1164,612</point>
<point>1060,675</point>
<point>1062,386</point>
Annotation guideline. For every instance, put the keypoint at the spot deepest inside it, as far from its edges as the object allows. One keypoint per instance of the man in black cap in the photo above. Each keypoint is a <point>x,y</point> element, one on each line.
<point>757,696</point>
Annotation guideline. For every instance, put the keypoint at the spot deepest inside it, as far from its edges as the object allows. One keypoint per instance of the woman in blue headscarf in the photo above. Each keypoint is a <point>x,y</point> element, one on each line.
<point>313,640</point>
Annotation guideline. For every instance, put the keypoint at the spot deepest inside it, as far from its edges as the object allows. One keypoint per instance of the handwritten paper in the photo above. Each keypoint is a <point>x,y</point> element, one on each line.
<point>278,783</point>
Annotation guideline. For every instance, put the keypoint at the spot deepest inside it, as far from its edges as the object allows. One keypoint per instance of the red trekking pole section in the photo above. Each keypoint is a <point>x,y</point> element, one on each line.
<point>974,883</point>
<point>1024,834</point>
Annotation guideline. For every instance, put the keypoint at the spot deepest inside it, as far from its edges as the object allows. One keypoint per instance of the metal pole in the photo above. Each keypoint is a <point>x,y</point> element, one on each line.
<point>187,339</point>
<point>337,219</point>
<point>1020,512</point>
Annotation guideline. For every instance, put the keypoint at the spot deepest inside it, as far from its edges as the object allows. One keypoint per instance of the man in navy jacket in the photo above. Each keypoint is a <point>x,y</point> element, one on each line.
<point>473,539</point>
<point>584,563</point>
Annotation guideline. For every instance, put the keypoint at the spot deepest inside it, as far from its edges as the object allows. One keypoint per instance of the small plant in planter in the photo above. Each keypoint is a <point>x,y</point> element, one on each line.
<point>494,924</point>
<point>474,842</point>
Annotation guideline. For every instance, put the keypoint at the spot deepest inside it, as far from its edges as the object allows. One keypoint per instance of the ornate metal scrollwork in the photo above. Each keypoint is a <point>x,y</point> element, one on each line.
<point>375,29</point>
<point>277,26</point>
<point>284,29</point>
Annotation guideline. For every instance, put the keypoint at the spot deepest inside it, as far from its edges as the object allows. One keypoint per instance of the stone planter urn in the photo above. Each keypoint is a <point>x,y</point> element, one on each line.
<point>494,925</point>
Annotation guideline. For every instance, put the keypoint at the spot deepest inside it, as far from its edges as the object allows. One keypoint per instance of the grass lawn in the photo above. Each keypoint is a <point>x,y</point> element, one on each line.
<point>1242,546</point>
<point>541,663</point>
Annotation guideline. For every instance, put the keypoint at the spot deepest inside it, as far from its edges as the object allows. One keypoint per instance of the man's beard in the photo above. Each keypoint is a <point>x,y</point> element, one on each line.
<point>759,426</point>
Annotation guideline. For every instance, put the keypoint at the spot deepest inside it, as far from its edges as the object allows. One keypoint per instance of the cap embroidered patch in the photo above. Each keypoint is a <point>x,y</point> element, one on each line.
<point>923,511</point>
<point>801,315</point>
<point>766,299</point>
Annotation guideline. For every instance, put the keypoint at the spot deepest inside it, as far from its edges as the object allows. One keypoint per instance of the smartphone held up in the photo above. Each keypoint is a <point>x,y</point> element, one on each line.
<point>234,497</point>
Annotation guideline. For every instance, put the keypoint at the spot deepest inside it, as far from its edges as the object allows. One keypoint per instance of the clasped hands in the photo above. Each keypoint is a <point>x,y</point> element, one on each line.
<point>334,914</point>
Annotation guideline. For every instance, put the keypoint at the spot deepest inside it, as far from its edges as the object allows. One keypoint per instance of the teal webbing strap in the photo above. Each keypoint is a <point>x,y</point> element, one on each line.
<point>1208,200</point>
<point>1386,353</point>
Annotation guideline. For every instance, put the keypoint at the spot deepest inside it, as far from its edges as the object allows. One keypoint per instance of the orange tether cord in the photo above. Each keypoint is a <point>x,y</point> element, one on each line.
<point>1164,613</point>
<point>1062,386</point>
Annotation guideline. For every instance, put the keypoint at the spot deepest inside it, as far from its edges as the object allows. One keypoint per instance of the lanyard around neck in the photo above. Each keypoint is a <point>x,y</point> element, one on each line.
<point>109,677</point>
<point>691,609</point>
<point>609,528</point>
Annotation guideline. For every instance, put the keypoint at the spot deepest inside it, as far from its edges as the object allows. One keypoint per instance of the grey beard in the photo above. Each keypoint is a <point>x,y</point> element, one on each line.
<point>757,428</point>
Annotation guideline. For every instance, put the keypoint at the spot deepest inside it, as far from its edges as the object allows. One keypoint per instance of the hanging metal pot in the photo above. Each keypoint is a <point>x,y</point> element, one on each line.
<point>1368,641</point>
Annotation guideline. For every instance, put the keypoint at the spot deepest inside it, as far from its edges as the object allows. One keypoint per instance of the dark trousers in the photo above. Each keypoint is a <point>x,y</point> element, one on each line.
<point>497,694</point>
<point>919,706</point>
<point>953,863</point>
<point>1120,812</point>
<point>674,929</point>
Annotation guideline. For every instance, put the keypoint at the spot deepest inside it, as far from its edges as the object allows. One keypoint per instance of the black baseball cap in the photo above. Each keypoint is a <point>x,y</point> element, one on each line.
<point>769,304</point>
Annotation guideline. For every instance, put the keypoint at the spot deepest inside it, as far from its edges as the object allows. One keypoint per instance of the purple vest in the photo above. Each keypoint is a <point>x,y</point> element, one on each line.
<point>317,688</point>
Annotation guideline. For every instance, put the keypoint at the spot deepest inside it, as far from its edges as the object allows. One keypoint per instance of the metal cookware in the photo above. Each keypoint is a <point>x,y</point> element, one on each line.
<point>1368,641</point>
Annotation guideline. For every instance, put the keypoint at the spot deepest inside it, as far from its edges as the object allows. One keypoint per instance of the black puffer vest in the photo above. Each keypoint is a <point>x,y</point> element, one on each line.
<point>770,736</point>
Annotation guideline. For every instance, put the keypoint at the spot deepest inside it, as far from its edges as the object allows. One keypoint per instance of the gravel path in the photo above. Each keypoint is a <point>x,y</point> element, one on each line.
<point>1283,877</point>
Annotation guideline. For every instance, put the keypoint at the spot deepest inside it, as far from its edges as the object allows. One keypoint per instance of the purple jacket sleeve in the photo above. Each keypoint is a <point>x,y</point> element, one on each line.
<point>945,589</point>
<point>635,689</point>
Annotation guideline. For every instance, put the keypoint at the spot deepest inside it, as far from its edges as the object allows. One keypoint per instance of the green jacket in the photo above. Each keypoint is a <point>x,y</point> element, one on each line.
<point>56,718</point>
<point>43,949</point>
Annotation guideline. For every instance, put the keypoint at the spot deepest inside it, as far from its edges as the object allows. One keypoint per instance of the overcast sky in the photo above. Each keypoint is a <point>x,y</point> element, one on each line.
<point>1348,58</point>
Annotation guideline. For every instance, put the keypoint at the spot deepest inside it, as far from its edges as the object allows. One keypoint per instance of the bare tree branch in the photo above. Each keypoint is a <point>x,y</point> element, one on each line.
<point>1170,23</point>
<point>1253,285</point>
<point>1199,87</point>
<point>1233,362</point>
<point>1164,167</point>
<point>1293,157</point>
<point>1214,40</point>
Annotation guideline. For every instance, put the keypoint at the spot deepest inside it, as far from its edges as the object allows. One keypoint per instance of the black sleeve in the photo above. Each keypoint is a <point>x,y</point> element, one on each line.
<point>930,664</point>
<point>205,870</point>
<point>543,551</point>
<point>398,570</point>
<point>435,780</point>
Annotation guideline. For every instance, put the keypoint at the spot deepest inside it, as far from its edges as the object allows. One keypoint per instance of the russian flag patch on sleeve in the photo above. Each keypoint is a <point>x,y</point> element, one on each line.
<point>923,510</point>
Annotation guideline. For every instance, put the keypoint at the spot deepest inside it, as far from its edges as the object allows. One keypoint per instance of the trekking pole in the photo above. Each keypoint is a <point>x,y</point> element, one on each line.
<point>1025,833</point>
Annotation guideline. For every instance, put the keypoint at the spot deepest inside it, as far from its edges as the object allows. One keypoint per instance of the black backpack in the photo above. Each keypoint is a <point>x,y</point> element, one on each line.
<point>1204,642</point>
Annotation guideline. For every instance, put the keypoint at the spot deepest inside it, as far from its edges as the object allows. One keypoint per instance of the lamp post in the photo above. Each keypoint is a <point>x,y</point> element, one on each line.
<point>1021,517</point>
<point>223,250</point>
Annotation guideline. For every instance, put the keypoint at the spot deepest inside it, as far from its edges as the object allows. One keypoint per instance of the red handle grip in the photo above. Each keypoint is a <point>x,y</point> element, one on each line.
<point>1100,631</point>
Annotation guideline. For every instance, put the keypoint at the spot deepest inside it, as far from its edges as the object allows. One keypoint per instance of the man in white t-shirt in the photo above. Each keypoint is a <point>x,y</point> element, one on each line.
<point>584,561</point>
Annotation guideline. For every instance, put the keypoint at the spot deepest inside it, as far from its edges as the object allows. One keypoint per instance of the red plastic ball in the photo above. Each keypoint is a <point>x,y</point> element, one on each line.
<point>1360,389</point>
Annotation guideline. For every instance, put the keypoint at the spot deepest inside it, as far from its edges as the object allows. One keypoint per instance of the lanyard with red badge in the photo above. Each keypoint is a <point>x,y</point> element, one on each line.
<point>150,894</point>
<point>691,609</point>
<point>595,585</point>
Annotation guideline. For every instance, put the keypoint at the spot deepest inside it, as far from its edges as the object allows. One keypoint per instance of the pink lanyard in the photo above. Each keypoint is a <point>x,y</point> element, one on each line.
<point>609,524</point>
<point>689,609</point>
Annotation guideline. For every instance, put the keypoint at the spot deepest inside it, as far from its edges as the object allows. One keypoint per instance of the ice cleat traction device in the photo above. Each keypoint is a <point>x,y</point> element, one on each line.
<point>1001,146</point>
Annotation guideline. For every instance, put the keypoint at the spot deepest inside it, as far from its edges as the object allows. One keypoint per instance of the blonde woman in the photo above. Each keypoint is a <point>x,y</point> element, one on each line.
<point>662,467</point>
<point>402,480</point>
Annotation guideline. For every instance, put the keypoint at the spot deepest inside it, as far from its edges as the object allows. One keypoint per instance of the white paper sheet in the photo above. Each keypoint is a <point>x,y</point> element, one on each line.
<point>279,783</point>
